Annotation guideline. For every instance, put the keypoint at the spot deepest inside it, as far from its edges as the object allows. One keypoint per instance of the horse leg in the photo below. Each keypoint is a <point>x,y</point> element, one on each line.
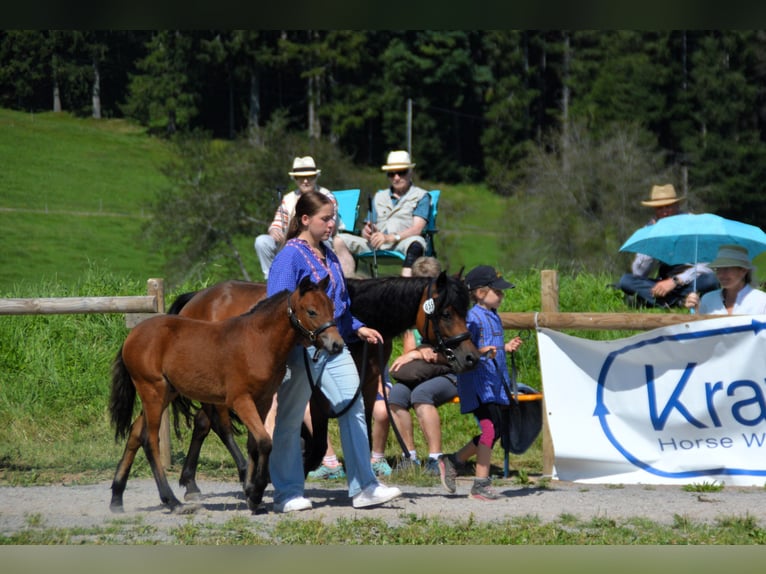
<point>258,448</point>
<point>189,471</point>
<point>122,472</point>
<point>315,438</point>
<point>153,409</point>
<point>222,426</point>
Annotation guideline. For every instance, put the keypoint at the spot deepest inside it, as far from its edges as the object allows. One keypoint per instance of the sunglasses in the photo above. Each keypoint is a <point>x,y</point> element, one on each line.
<point>400,173</point>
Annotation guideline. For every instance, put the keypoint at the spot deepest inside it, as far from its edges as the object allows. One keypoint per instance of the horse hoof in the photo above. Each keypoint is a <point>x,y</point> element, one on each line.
<point>186,509</point>
<point>193,496</point>
<point>256,507</point>
<point>116,508</point>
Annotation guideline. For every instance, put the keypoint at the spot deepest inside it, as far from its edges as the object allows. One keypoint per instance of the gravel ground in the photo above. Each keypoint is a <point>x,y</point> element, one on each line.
<point>65,506</point>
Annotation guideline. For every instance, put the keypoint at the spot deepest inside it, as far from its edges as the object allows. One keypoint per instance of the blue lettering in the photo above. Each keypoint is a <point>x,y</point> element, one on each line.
<point>754,439</point>
<point>659,420</point>
<point>710,390</point>
<point>757,399</point>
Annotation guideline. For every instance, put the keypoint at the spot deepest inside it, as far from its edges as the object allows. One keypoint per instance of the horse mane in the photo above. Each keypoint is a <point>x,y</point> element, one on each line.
<point>390,304</point>
<point>268,303</point>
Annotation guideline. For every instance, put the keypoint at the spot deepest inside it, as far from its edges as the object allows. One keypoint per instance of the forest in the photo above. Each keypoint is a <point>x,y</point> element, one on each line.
<point>580,119</point>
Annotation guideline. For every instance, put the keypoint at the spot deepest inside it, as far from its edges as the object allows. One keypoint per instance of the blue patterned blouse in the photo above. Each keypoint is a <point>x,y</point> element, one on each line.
<point>296,260</point>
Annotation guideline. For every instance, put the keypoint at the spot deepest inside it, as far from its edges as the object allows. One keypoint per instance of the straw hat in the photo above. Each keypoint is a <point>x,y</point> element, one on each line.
<point>398,160</point>
<point>304,166</point>
<point>731,256</point>
<point>663,195</point>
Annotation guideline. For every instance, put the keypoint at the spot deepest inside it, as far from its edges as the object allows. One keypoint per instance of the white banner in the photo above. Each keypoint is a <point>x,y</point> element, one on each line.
<point>677,405</point>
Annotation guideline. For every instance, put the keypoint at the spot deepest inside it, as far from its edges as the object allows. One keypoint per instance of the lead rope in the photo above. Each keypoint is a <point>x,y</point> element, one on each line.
<point>384,390</point>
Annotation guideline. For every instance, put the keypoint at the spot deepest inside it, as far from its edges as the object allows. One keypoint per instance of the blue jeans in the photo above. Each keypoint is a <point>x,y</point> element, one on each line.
<point>339,382</point>
<point>642,288</point>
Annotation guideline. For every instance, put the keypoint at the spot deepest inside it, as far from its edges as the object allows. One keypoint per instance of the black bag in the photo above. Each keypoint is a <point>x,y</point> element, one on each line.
<point>523,419</point>
<point>418,370</point>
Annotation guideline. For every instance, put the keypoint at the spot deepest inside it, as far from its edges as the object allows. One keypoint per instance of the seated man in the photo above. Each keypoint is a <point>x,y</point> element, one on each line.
<point>673,282</point>
<point>399,217</point>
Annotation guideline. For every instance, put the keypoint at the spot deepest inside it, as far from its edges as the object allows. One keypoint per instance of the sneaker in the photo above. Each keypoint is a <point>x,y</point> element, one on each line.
<point>328,472</point>
<point>405,464</point>
<point>482,490</point>
<point>381,467</point>
<point>293,505</point>
<point>431,467</point>
<point>448,472</point>
<point>375,494</point>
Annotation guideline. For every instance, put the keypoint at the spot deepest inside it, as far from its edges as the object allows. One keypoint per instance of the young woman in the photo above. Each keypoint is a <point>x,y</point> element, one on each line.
<point>305,253</point>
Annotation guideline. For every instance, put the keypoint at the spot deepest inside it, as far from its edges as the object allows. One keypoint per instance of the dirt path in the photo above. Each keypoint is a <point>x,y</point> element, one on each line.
<point>88,506</point>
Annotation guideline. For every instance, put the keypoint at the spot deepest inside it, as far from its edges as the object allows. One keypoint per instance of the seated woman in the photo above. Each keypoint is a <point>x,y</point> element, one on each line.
<point>736,296</point>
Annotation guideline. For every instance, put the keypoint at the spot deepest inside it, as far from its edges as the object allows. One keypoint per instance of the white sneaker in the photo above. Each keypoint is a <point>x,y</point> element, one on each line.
<point>376,493</point>
<point>293,505</point>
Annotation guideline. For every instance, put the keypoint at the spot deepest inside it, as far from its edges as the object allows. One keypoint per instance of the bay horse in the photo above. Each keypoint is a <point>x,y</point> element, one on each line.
<point>437,307</point>
<point>237,363</point>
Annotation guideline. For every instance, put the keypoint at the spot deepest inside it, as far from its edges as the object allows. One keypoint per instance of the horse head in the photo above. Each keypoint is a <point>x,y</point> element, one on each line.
<point>312,314</point>
<point>441,321</point>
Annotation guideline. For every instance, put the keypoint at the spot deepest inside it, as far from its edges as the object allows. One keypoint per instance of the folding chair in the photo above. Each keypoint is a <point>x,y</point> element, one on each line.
<point>389,256</point>
<point>348,209</point>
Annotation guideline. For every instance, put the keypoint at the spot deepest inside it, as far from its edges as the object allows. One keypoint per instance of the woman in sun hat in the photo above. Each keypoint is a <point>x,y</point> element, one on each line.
<point>305,174</point>
<point>736,296</point>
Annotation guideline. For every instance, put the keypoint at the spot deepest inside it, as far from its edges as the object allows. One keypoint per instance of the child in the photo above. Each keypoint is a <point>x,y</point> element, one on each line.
<point>482,390</point>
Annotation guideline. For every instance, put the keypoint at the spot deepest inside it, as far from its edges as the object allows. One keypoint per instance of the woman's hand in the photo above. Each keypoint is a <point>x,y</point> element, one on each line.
<point>692,301</point>
<point>369,335</point>
<point>426,354</point>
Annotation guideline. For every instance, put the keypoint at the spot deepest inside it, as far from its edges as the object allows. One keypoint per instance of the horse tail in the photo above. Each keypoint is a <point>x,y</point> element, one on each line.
<point>182,408</point>
<point>122,398</point>
<point>180,302</point>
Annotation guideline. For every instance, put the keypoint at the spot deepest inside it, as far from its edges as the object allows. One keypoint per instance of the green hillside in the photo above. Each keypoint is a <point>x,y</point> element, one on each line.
<point>73,195</point>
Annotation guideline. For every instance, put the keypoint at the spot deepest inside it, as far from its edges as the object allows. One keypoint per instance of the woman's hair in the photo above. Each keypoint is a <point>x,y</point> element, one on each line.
<point>426,267</point>
<point>308,204</point>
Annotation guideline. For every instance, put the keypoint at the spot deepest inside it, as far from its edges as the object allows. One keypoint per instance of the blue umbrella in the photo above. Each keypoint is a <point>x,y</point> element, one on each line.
<point>693,238</point>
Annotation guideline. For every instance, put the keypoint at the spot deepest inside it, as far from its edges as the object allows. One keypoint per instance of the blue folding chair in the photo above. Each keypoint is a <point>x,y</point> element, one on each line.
<point>348,209</point>
<point>389,256</point>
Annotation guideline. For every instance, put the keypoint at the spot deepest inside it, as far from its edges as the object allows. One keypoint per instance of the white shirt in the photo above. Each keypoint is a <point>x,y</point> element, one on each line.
<point>749,302</point>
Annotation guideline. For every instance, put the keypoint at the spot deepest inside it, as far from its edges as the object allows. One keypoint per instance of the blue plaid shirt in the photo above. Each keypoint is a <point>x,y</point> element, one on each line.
<point>296,260</point>
<point>485,383</point>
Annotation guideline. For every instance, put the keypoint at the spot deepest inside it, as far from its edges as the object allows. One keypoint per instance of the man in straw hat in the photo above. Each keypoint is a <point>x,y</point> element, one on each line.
<point>305,174</point>
<point>673,282</point>
<point>399,216</point>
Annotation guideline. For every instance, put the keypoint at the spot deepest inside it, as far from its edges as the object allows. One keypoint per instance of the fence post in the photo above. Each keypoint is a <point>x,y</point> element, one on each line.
<point>549,295</point>
<point>156,288</point>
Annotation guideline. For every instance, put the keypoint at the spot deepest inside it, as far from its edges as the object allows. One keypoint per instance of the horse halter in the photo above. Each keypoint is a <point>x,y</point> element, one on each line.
<point>443,346</point>
<point>298,326</point>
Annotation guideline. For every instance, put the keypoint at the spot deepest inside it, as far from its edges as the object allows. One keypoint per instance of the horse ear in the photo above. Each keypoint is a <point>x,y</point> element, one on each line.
<point>305,284</point>
<point>459,274</point>
<point>324,282</point>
